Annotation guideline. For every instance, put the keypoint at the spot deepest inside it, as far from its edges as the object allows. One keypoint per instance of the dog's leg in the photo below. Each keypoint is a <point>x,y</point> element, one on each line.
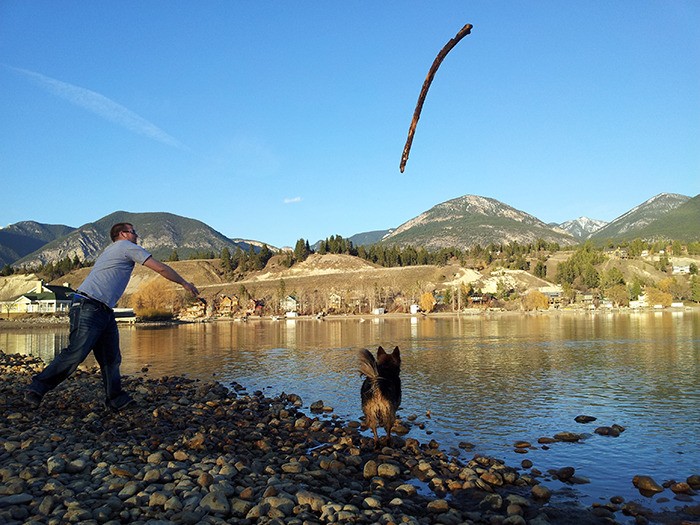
<point>376,437</point>
<point>389,425</point>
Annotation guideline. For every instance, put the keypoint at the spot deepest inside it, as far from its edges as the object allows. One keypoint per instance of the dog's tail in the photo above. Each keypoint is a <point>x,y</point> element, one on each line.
<point>368,364</point>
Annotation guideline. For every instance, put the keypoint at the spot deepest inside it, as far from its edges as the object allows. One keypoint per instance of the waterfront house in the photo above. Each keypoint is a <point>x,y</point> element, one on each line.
<point>335,301</point>
<point>42,299</point>
<point>228,304</point>
<point>289,304</point>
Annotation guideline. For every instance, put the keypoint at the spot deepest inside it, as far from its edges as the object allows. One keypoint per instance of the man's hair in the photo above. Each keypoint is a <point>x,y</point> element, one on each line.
<point>118,228</point>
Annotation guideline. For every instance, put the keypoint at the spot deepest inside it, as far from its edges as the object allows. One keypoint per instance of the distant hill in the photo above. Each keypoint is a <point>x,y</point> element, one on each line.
<point>159,233</point>
<point>631,225</point>
<point>681,223</point>
<point>470,220</point>
<point>23,238</point>
<point>582,228</point>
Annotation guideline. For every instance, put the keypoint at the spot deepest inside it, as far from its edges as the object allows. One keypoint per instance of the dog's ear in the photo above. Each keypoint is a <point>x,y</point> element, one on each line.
<point>380,351</point>
<point>396,354</point>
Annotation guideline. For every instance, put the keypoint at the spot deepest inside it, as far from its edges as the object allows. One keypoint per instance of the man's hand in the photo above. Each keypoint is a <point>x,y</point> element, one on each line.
<point>190,288</point>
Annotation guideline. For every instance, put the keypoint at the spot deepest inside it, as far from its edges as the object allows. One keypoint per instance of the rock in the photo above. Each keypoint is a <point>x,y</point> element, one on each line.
<point>681,488</point>
<point>584,419</point>
<point>215,502</point>
<point>15,499</point>
<point>240,508</point>
<point>56,465</point>
<point>540,492</point>
<point>293,467</point>
<point>388,470</point>
<point>372,503</point>
<point>313,500</point>
<point>438,506</point>
<point>565,474</point>
<point>284,505</point>
<point>76,466</point>
<point>408,489</point>
<point>370,469</point>
<point>694,481</point>
<point>607,431</point>
<point>492,501</point>
<point>646,484</point>
<point>569,437</point>
<point>492,478</point>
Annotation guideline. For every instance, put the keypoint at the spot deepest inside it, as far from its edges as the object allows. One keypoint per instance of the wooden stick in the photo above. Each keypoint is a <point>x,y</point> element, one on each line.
<point>426,85</point>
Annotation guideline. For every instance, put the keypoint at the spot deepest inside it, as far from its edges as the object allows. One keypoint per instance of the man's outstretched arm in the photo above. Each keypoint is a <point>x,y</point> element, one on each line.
<point>170,274</point>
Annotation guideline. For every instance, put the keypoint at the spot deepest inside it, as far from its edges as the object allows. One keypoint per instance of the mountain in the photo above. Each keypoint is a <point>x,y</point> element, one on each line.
<point>681,223</point>
<point>470,220</point>
<point>368,238</point>
<point>23,238</point>
<point>631,224</point>
<point>159,233</point>
<point>582,228</point>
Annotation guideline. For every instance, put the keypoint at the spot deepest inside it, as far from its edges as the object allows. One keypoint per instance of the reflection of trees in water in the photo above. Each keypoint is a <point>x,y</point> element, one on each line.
<point>42,343</point>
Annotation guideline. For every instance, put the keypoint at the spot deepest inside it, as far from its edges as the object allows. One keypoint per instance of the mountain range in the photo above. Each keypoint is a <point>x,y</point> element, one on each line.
<point>160,233</point>
<point>461,222</point>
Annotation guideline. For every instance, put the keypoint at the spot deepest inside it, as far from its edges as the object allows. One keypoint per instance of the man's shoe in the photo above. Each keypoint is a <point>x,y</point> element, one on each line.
<point>32,398</point>
<point>120,402</point>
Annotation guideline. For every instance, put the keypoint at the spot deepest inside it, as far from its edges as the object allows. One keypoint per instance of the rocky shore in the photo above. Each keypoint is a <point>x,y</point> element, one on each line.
<point>197,452</point>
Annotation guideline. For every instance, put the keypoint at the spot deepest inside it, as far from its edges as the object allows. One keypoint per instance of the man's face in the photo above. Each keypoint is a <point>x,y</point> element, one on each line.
<point>130,234</point>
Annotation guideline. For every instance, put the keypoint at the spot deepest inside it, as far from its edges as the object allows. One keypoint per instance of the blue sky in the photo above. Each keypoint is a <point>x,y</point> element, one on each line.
<point>276,121</point>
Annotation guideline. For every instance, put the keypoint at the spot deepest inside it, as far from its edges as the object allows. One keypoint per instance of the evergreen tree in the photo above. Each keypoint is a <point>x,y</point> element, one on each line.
<point>301,250</point>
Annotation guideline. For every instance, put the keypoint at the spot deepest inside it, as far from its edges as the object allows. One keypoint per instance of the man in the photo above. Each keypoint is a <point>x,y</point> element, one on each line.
<point>92,323</point>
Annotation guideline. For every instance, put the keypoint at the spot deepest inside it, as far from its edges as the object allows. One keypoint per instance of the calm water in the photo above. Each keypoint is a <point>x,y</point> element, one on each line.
<point>490,381</point>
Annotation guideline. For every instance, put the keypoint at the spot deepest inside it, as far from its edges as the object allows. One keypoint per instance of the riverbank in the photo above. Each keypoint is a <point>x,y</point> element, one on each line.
<point>28,320</point>
<point>198,452</point>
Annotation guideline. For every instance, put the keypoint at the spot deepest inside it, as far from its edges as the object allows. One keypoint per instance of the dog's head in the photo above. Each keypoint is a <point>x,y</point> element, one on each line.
<point>392,360</point>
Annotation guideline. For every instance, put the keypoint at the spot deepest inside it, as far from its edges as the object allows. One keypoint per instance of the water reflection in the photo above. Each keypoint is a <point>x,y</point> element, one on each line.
<point>490,380</point>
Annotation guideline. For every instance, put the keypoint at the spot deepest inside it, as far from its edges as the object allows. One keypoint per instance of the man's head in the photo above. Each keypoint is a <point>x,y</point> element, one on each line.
<point>123,231</point>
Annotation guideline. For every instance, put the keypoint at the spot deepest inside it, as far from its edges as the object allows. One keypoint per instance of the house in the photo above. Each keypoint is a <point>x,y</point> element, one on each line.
<point>553,292</point>
<point>335,301</point>
<point>228,304</point>
<point>289,304</point>
<point>683,269</point>
<point>255,307</point>
<point>42,299</point>
<point>641,302</point>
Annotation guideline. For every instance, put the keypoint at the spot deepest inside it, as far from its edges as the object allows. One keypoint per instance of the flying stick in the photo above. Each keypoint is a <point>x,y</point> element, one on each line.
<point>426,85</point>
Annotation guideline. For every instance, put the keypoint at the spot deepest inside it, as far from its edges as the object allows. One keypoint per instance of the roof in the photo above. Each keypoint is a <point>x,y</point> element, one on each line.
<point>51,293</point>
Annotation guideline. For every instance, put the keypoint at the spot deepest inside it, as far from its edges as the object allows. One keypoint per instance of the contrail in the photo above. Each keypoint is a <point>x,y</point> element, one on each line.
<point>102,106</point>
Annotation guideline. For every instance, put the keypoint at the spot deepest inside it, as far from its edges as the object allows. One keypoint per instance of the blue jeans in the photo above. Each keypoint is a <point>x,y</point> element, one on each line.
<point>92,328</point>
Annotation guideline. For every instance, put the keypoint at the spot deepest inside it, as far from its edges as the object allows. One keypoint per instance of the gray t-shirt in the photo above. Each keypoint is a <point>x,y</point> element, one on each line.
<point>110,275</point>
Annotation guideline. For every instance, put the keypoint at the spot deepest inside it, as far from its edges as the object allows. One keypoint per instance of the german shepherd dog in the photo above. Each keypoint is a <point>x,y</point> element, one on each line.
<point>381,390</point>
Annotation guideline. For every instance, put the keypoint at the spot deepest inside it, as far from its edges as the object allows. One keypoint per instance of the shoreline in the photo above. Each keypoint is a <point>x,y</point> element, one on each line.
<point>52,320</point>
<point>198,452</point>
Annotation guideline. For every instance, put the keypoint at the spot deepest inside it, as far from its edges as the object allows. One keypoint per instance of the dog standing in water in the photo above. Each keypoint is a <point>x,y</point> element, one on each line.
<point>381,390</point>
